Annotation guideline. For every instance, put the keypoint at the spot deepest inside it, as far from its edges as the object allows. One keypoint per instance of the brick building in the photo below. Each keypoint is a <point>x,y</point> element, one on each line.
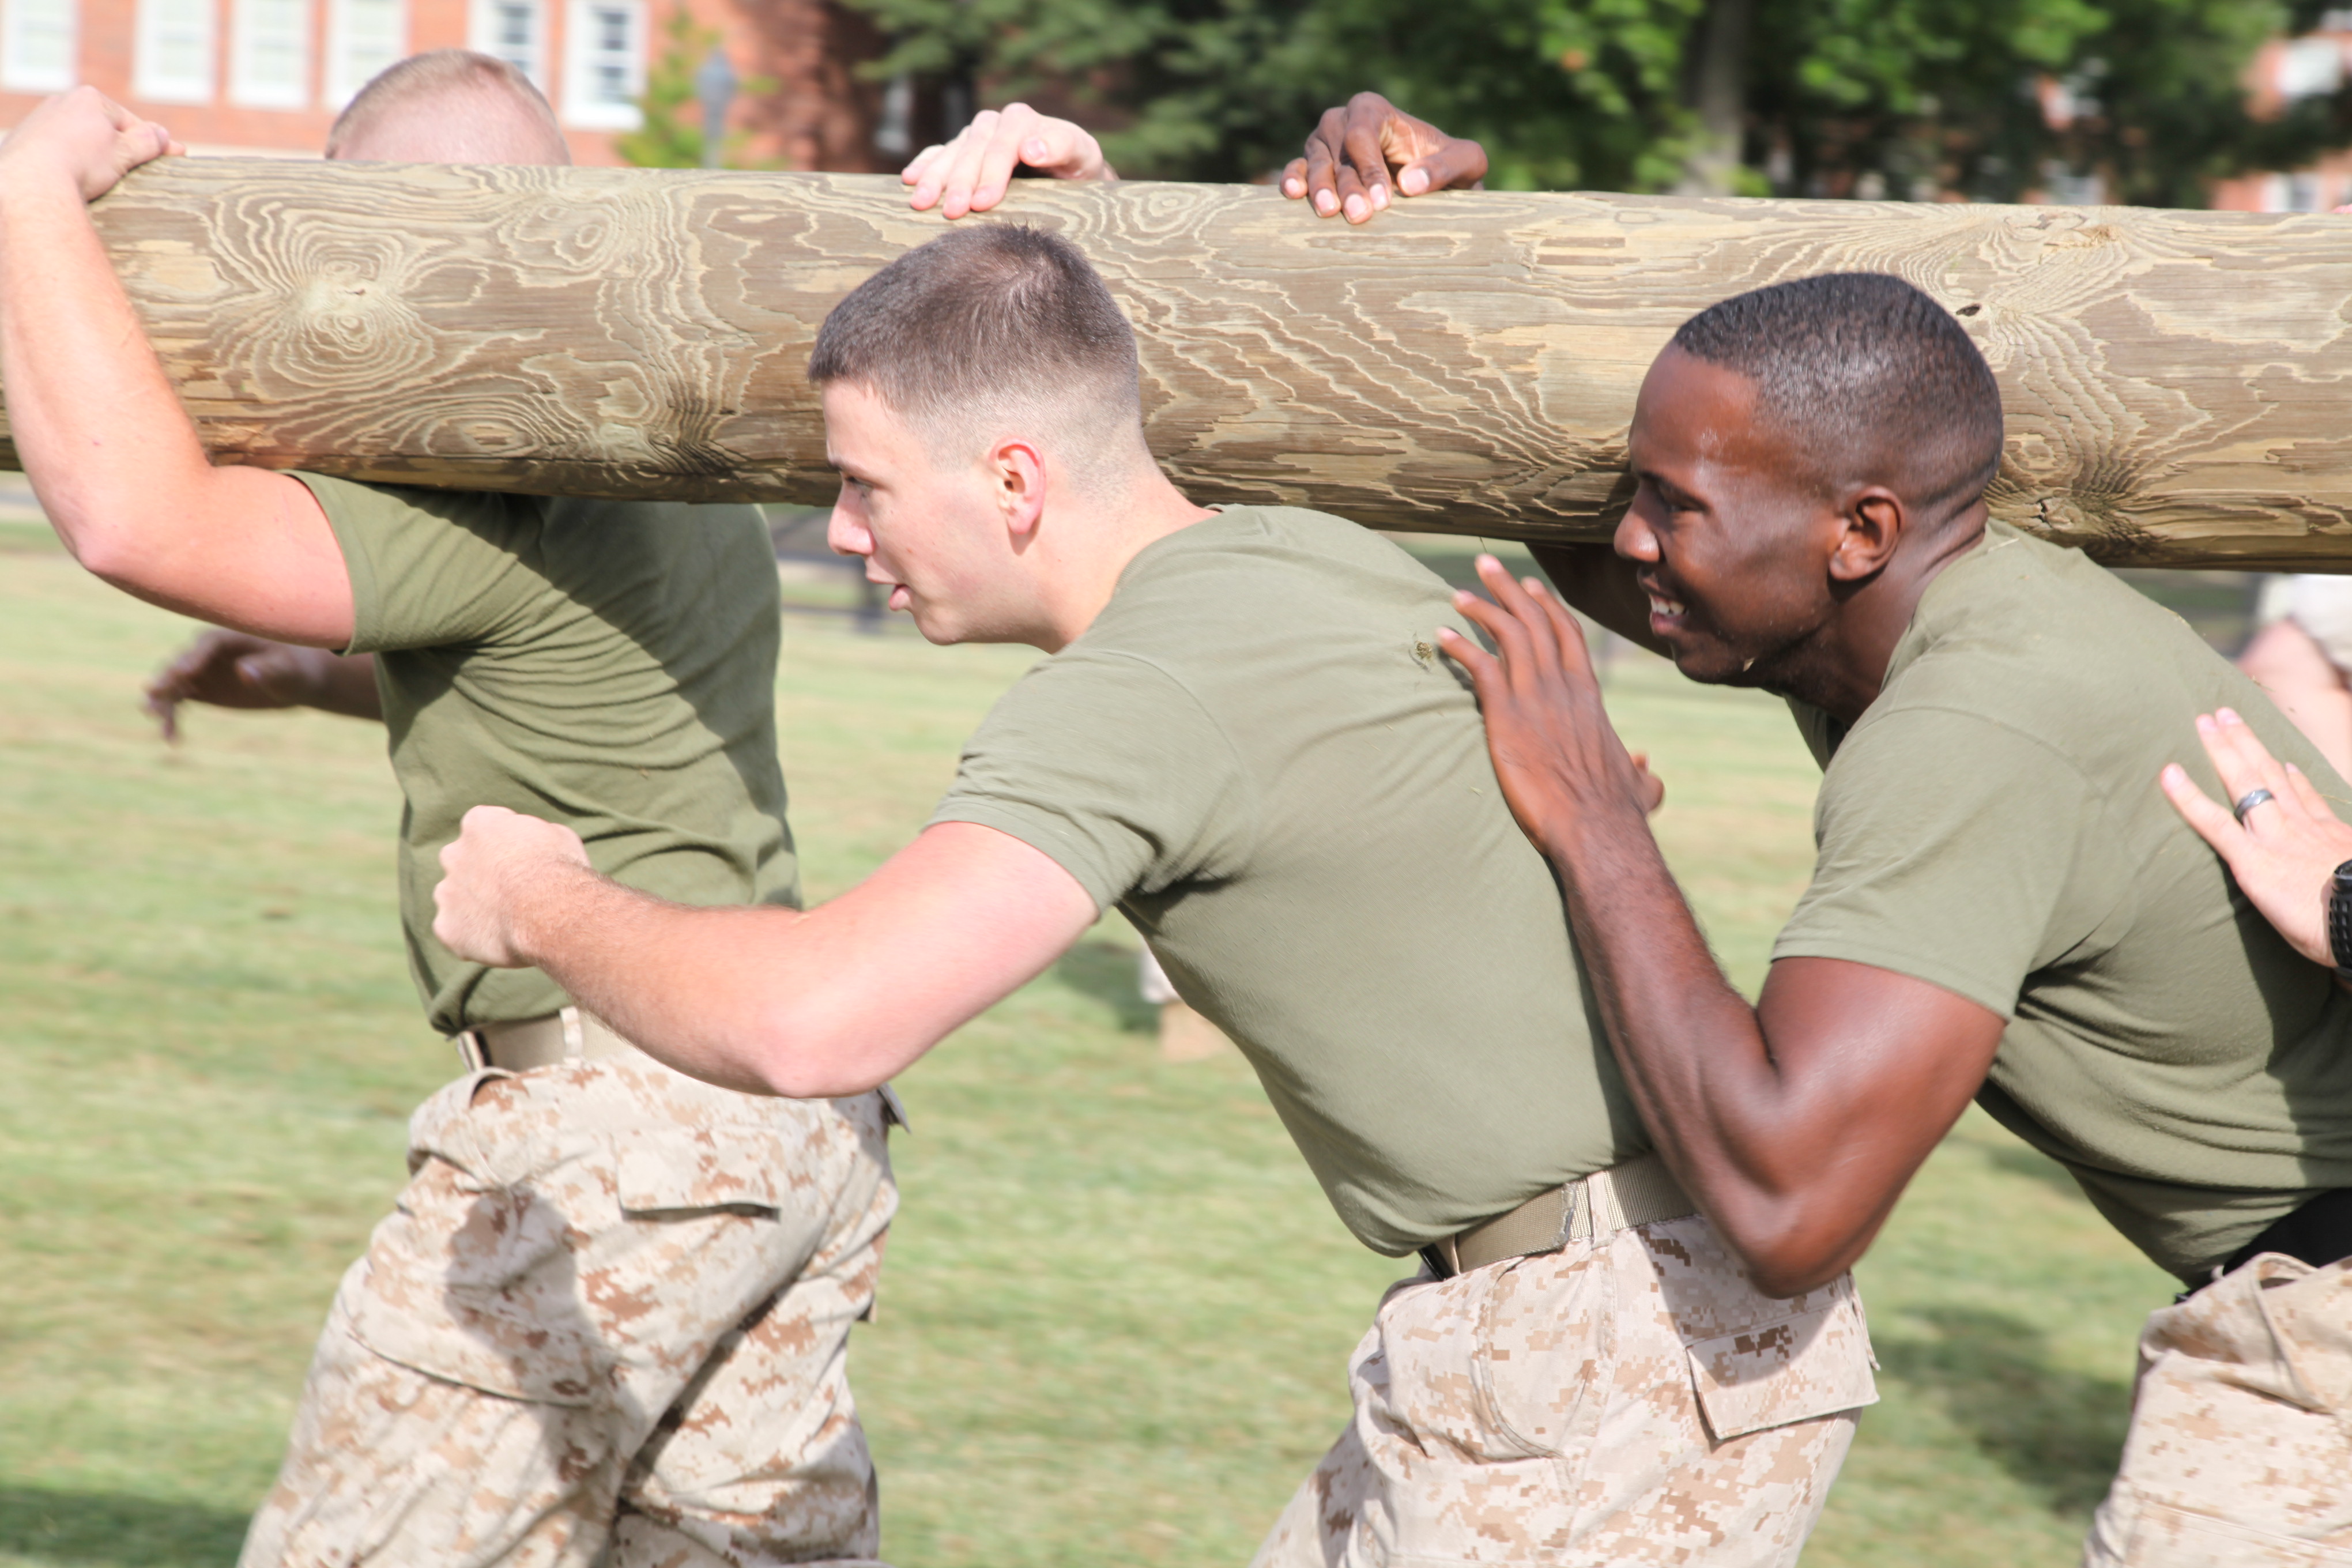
<point>268,76</point>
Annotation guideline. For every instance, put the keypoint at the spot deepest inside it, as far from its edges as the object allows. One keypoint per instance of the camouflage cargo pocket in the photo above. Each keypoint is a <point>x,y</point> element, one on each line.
<point>1798,1368</point>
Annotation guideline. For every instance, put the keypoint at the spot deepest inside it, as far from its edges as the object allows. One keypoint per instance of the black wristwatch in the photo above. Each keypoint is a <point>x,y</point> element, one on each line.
<point>2339,921</point>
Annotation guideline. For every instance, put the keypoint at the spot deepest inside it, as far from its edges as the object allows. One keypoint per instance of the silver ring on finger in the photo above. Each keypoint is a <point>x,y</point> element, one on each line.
<point>2248,801</point>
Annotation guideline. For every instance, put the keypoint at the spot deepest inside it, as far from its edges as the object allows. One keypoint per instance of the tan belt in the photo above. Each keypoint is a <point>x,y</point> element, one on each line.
<point>572,1036</point>
<point>568,1035</point>
<point>1639,1192</point>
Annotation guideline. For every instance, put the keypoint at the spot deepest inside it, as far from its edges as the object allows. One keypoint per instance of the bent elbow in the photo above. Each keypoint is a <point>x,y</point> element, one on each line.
<point>1787,1261</point>
<point>103,552</point>
<point>796,1056</point>
<point>1783,1278</point>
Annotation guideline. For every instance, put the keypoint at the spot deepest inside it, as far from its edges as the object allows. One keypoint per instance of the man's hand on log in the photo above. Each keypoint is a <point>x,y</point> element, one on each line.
<point>1359,150</point>
<point>2286,851</point>
<point>971,174</point>
<point>85,137</point>
<point>498,858</point>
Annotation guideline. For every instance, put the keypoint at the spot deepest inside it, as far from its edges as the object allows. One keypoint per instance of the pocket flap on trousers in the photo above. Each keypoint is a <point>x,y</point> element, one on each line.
<point>683,1170</point>
<point>1813,1364</point>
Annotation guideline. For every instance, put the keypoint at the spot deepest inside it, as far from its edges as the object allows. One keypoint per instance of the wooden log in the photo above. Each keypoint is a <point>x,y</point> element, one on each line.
<point>2176,382</point>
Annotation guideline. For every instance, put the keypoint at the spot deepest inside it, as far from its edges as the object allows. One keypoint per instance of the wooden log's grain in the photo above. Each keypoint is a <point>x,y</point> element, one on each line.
<point>2177,382</point>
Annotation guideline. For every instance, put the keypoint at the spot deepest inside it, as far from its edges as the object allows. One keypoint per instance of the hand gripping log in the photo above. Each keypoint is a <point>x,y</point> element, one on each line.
<point>2178,385</point>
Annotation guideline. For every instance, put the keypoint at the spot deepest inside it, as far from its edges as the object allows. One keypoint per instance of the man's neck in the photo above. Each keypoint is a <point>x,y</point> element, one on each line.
<point>1844,670</point>
<point>1147,512</point>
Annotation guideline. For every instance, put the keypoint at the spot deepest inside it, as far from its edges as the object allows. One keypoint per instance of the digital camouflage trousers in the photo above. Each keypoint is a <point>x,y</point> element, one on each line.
<point>607,1323</point>
<point>2239,1454</point>
<point>1627,1400</point>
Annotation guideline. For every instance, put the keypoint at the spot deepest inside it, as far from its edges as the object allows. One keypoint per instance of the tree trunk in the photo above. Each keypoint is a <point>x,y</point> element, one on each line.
<point>1719,96</point>
<point>2175,382</point>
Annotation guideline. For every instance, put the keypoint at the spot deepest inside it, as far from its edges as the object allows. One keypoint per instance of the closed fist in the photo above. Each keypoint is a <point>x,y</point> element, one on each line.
<point>499,858</point>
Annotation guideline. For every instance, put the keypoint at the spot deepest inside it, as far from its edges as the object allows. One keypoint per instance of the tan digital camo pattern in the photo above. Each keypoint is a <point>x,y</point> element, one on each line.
<point>1549,1410</point>
<point>614,1303</point>
<point>2240,1447</point>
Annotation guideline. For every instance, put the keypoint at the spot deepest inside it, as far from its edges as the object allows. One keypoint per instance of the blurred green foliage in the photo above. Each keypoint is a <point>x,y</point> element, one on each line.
<point>1900,98</point>
<point>670,135</point>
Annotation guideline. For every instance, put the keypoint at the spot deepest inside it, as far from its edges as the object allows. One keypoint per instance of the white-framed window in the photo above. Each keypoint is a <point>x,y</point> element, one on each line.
<point>514,31</point>
<point>270,54</point>
<point>362,38</point>
<point>603,64</point>
<point>38,43</point>
<point>172,47</point>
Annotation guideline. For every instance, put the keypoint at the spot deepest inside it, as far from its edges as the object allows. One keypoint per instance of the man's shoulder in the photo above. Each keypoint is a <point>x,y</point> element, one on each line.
<point>2041,640</point>
<point>1258,608</point>
<point>1245,561</point>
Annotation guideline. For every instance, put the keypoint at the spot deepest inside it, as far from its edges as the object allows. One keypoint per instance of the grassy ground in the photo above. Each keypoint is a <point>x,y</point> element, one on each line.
<point>1116,1311</point>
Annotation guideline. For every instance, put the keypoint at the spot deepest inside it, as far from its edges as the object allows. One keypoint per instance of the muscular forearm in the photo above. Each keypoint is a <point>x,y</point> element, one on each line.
<point>734,996</point>
<point>1795,1123</point>
<point>115,459</point>
<point>1765,1150</point>
<point>832,1002</point>
<point>94,420</point>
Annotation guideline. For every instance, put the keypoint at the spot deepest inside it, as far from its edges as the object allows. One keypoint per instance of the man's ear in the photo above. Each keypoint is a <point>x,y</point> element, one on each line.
<point>1018,470</point>
<point>1874,521</point>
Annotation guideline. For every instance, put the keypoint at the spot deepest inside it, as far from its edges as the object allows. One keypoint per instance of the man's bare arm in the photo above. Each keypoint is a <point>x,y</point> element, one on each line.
<point>1794,1124</point>
<point>113,455</point>
<point>769,1001</point>
<point>222,668</point>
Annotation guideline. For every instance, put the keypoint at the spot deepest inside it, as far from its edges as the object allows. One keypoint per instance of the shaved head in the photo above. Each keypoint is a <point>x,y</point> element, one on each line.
<point>988,329</point>
<point>1865,380</point>
<point>449,106</point>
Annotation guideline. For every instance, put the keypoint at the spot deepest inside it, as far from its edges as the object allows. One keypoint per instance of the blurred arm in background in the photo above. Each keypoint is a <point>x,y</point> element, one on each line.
<point>232,670</point>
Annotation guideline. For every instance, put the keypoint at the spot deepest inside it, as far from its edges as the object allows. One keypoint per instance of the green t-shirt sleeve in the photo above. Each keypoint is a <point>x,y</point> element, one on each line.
<point>431,568</point>
<point>1109,766</point>
<point>1955,850</point>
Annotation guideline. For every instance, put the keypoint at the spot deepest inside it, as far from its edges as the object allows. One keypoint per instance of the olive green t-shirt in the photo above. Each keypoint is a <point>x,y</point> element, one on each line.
<point>1257,753</point>
<point>1992,824</point>
<point>609,665</point>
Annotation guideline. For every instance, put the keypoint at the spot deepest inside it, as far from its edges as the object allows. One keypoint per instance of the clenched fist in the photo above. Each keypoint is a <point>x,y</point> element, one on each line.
<point>498,860</point>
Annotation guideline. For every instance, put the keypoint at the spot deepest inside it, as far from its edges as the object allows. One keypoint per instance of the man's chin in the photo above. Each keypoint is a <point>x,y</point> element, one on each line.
<point>1707,664</point>
<point>1721,667</point>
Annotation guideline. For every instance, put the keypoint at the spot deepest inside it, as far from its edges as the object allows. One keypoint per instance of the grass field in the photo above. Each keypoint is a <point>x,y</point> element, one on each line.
<point>1117,1310</point>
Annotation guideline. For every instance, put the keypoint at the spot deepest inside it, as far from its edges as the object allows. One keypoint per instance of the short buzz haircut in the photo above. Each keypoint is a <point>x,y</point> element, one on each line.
<point>987,324</point>
<point>1870,379</point>
<point>429,75</point>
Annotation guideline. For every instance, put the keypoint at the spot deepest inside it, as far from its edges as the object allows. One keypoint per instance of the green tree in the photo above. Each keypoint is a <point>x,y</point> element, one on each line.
<point>670,135</point>
<point>1825,97</point>
<point>1918,97</point>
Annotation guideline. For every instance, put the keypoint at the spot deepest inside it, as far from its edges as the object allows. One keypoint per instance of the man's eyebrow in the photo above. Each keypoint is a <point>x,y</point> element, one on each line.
<point>1666,487</point>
